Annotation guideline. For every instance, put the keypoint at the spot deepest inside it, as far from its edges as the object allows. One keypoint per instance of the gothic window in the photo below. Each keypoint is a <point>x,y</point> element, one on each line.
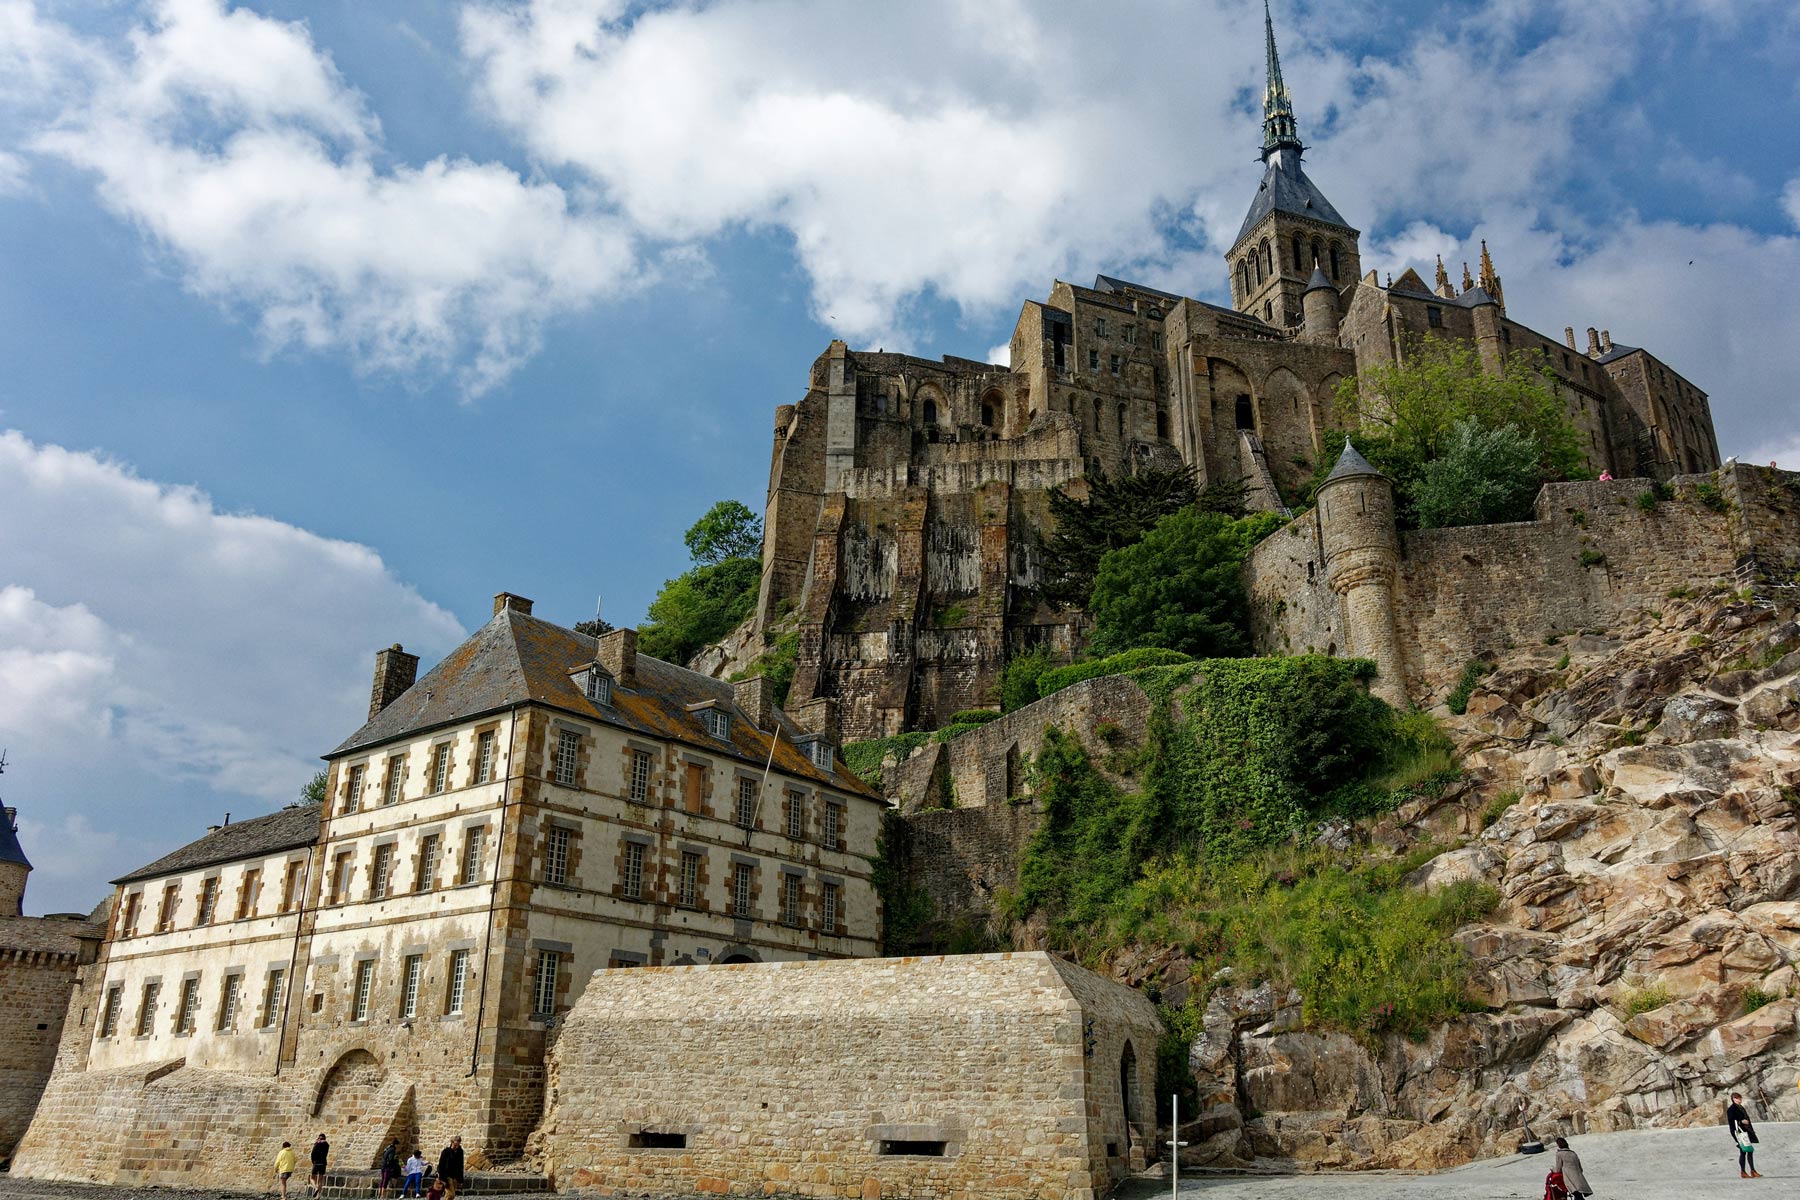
<point>1244,275</point>
<point>1268,310</point>
<point>1299,255</point>
<point>1268,258</point>
<point>1246,414</point>
<point>931,412</point>
<point>1334,262</point>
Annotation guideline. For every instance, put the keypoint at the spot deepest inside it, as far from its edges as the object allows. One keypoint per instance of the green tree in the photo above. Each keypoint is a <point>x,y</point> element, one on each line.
<point>1180,588</point>
<point>728,530</point>
<point>1406,413</point>
<point>1482,477</point>
<point>1116,513</point>
<point>314,791</point>
<point>596,627</point>
<point>699,607</point>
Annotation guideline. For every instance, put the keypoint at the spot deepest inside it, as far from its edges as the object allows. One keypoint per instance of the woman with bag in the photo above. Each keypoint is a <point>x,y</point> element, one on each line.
<point>1737,1121</point>
<point>1568,1165</point>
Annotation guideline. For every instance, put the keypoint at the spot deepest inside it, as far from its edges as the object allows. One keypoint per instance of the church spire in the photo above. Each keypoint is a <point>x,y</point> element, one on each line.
<point>1490,280</point>
<point>1279,130</point>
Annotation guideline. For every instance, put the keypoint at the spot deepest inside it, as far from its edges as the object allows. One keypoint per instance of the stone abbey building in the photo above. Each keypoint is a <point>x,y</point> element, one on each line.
<point>394,961</point>
<point>908,498</point>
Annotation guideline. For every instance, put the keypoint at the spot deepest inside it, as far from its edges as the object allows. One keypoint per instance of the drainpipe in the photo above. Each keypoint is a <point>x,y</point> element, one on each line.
<point>487,941</point>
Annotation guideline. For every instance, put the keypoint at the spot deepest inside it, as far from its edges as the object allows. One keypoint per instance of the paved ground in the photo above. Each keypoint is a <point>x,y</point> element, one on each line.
<point>1650,1164</point>
<point>1653,1164</point>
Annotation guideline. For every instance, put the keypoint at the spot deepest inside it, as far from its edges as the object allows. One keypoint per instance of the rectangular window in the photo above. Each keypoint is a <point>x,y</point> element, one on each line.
<point>428,857</point>
<point>249,893</point>
<point>640,777</point>
<point>365,989</point>
<point>228,1003</point>
<point>340,878</point>
<point>833,823</point>
<point>599,686</point>
<point>631,871</point>
<point>290,885</point>
<point>695,798</point>
<point>440,767</point>
<point>1114,363</point>
<point>271,1003</point>
<point>484,757</point>
<point>109,1016</point>
<point>1093,360</point>
<point>1099,326</point>
<point>828,905</point>
<point>746,802</point>
<point>396,773</point>
<point>543,991</point>
<point>1129,333</point>
<point>1434,316</point>
<point>790,899</point>
<point>128,918</point>
<point>796,816</point>
<point>568,756</point>
<point>165,917</point>
<point>354,788</point>
<point>209,900</point>
<point>409,992</point>
<point>459,982</point>
<point>471,863</point>
<point>742,878</point>
<point>556,856</point>
<point>184,1010</point>
<point>690,879</point>
<point>383,876</point>
<point>824,755</point>
<point>146,1022</point>
<point>717,722</point>
<point>1156,341</point>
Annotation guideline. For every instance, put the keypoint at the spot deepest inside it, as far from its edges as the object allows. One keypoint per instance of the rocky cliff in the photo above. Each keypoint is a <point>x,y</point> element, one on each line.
<point>1633,796</point>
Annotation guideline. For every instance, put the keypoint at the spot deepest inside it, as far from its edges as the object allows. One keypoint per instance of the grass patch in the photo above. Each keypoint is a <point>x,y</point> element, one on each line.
<point>1710,495</point>
<point>1755,998</point>
<point>1496,808</point>
<point>1644,1000</point>
<point>1458,700</point>
<point>1646,500</point>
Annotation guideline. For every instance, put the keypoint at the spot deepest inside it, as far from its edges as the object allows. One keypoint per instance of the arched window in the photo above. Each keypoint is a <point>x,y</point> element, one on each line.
<point>1096,414</point>
<point>1268,310</point>
<point>1128,1089</point>
<point>1268,259</point>
<point>1318,252</point>
<point>1334,262</point>
<point>1121,420</point>
<point>1244,275</point>
<point>987,414</point>
<point>931,412</point>
<point>1299,256</point>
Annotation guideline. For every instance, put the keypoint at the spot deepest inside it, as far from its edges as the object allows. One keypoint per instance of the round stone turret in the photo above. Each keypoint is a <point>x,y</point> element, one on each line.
<point>1319,308</point>
<point>1362,559</point>
<point>14,867</point>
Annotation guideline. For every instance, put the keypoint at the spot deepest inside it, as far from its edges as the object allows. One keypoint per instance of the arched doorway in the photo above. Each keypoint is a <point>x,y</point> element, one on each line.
<point>1128,1092</point>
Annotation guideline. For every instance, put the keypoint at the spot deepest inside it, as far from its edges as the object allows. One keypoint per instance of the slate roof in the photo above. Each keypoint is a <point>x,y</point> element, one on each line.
<point>1319,281</point>
<point>1107,283</point>
<point>1619,350</point>
<point>289,829</point>
<point>1349,464</point>
<point>1285,188</point>
<point>520,659</point>
<point>10,850</point>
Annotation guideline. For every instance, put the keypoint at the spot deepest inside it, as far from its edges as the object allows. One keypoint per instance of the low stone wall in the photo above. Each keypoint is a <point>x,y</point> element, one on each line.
<point>997,1076</point>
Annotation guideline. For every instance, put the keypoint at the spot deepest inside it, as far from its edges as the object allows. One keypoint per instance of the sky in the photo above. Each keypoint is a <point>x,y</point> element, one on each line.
<point>322,322</point>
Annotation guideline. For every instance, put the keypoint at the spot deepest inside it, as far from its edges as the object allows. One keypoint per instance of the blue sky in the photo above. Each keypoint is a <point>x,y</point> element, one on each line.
<point>323,322</point>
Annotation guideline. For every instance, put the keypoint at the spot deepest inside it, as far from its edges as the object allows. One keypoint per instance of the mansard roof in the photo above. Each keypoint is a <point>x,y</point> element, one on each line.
<point>520,659</point>
<point>292,828</point>
<point>10,850</point>
<point>1285,188</point>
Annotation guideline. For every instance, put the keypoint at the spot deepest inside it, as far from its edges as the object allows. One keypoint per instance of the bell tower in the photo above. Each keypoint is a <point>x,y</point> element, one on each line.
<point>1291,229</point>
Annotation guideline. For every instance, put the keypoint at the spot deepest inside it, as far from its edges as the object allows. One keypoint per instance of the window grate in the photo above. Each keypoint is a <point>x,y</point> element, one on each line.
<point>209,900</point>
<point>568,756</point>
<point>640,777</point>
<point>109,1019</point>
<point>390,786</point>
<point>365,989</point>
<point>834,820</point>
<point>829,908</point>
<point>146,1021</point>
<point>353,791</point>
<point>471,865</point>
<point>428,862</point>
<point>228,1003</point>
<point>741,884</point>
<point>543,992</point>
<point>796,816</point>
<point>384,872</point>
<point>791,896</point>
<point>631,878</point>
<point>459,981</point>
<point>746,802</point>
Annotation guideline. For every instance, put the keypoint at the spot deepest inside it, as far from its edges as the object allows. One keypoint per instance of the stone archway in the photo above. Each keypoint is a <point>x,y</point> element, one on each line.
<point>347,1093</point>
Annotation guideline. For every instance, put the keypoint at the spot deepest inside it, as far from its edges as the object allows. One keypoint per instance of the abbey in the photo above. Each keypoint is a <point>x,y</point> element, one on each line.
<point>908,498</point>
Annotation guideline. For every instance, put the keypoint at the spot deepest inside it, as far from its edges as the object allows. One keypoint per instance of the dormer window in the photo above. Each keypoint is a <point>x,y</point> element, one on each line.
<point>598,686</point>
<point>717,722</point>
<point>823,754</point>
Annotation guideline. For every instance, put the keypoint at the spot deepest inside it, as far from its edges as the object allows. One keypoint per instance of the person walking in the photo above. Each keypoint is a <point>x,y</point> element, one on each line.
<point>321,1151</point>
<point>450,1167</point>
<point>1737,1121</point>
<point>390,1167</point>
<point>284,1166</point>
<point>415,1174</point>
<point>1569,1163</point>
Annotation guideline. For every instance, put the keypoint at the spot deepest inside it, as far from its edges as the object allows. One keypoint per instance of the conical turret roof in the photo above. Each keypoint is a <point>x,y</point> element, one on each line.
<point>1351,464</point>
<point>1318,281</point>
<point>10,850</point>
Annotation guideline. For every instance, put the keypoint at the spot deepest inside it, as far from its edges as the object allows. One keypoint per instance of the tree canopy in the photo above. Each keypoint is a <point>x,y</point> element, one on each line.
<point>1117,512</point>
<point>704,603</point>
<point>728,530</point>
<point>1180,588</point>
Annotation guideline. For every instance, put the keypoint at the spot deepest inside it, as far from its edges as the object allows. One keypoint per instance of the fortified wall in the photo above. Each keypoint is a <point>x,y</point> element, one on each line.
<point>1422,603</point>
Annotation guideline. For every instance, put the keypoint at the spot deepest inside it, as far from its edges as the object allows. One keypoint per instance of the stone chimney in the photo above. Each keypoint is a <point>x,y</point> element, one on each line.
<point>395,671</point>
<point>1569,336</point>
<point>518,604</point>
<point>817,716</point>
<point>1606,341</point>
<point>618,654</point>
<point>1593,342</point>
<point>753,696</point>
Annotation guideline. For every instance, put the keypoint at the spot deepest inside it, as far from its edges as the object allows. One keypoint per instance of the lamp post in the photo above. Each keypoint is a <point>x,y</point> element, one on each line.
<point>1175,1145</point>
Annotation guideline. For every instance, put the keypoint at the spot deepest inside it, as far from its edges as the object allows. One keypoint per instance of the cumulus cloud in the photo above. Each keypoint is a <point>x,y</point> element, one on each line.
<point>235,144</point>
<point>163,659</point>
<point>1790,201</point>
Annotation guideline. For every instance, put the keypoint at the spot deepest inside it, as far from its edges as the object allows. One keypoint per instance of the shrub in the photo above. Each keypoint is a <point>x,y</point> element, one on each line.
<point>1480,477</point>
<point>1592,558</point>
<point>1646,500</point>
<point>1710,495</point>
<point>1562,664</point>
<point>1496,808</point>
<point>1055,680</point>
<point>1180,588</point>
<point>865,759</point>
<point>1019,682</point>
<point>699,607</point>
<point>1645,1000</point>
<point>776,665</point>
<point>1755,998</point>
<point>1458,700</point>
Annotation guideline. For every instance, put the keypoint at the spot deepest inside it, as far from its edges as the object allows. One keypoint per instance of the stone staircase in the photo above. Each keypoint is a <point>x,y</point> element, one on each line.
<point>360,1185</point>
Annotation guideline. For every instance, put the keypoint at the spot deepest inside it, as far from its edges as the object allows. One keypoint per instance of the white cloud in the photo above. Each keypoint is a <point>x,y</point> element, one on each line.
<point>1790,200</point>
<point>234,143</point>
<point>163,658</point>
<point>1000,355</point>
